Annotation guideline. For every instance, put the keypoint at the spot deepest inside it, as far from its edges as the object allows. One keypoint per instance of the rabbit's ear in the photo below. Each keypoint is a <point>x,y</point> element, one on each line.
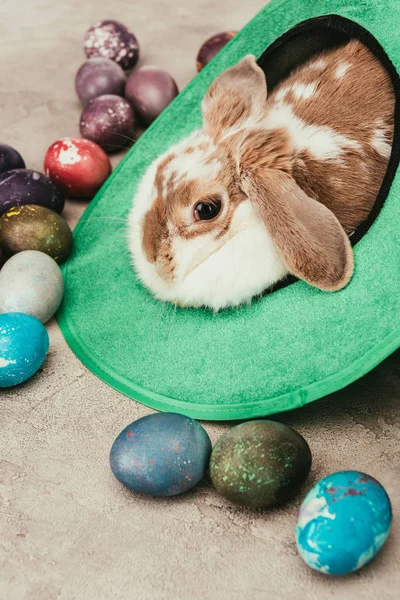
<point>309,237</point>
<point>237,95</point>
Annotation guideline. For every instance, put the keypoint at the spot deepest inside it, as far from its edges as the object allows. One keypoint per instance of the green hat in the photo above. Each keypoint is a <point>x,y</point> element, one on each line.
<point>290,347</point>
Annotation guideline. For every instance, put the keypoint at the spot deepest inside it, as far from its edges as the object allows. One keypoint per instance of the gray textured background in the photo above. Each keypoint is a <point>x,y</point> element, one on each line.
<point>68,530</point>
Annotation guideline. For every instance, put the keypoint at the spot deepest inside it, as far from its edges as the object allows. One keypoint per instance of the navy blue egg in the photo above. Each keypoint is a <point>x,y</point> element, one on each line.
<point>10,159</point>
<point>23,186</point>
<point>24,343</point>
<point>343,522</point>
<point>163,454</point>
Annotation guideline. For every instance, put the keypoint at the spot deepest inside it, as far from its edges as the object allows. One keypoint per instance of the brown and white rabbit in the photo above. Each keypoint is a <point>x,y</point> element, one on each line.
<point>270,186</point>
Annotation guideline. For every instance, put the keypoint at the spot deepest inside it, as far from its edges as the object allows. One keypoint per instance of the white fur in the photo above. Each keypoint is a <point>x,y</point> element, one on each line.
<point>321,141</point>
<point>380,144</point>
<point>193,165</point>
<point>319,64</point>
<point>305,91</point>
<point>300,90</point>
<point>280,96</point>
<point>342,69</point>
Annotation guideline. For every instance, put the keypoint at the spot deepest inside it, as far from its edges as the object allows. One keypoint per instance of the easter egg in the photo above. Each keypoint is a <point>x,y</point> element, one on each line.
<point>10,159</point>
<point>78,166</point>
<point>150,90</point>
<point>111,39</point>
<point>23,186</point>
<point>259,463</point>
<point>35,228</point>
<point>212,46</point>
<point>98,76</point>
<point>343,522</point>
<point>31,282</point>
<point>108,120</point>
<point>163,454</point>
<point>24,343</point>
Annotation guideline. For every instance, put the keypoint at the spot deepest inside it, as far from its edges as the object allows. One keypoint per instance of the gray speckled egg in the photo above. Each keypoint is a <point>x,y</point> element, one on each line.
<point>31,282</point>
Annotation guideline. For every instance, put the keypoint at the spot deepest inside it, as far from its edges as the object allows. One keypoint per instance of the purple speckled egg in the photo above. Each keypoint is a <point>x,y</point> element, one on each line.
<point>163,454</point>
<point>99,76</point>
<point>23,186</point>
<point>113,40</point>
<point>150,90</point>
<point>10,159</point>
<point>108,121</point>
<point>212,46</point>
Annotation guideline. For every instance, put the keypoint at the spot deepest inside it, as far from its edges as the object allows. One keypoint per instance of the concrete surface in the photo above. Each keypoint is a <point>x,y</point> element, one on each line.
<point>68,530</point>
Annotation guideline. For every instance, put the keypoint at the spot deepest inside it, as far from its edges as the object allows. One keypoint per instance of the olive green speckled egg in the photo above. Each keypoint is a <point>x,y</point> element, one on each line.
<point>260,463</point>
<point>32,227</point>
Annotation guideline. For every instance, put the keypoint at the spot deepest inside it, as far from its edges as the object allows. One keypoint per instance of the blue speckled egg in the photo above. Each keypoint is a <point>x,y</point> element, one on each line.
<point>343,522</point>
<point>24,343</point>
<point>163,454</point>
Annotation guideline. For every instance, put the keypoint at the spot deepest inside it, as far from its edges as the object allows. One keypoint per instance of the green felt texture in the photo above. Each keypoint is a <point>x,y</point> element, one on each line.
<point>287,349</point>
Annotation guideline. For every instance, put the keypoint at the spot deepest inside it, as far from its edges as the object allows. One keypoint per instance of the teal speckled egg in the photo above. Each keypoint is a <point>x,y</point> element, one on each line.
<point>343,522</point>
<point>24,343</point>
<point>31,282</point>
<point>260,463</point>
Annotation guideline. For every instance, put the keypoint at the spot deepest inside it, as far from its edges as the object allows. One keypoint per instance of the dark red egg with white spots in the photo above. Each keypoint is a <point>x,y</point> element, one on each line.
<point>150,90</point>
<point>78,166</point>
<point>108,120</point>
<point>99,76</point>
<point>113,40</point>
<point>212,46</point>
<point>163,454</point>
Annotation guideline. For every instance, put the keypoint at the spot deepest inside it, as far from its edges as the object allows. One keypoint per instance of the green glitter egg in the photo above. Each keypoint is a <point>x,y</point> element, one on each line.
<point>260,463</point>
<point>31,227</point>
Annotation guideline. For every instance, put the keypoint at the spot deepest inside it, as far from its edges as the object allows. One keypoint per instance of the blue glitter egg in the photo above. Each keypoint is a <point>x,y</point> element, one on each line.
<point>343,522</point>
<point>163,454</point>
<point>24,343</point>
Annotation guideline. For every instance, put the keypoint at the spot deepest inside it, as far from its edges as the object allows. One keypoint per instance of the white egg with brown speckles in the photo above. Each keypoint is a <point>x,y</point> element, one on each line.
<point>31,282</point>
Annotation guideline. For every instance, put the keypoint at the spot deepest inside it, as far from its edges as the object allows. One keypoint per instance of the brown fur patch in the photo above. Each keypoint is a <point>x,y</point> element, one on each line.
<point>236,95</point>
<point>160,175</point>
<point>154,230</point>
<point>352,105</point>
<point>261,150</point>
<point>308,235</point>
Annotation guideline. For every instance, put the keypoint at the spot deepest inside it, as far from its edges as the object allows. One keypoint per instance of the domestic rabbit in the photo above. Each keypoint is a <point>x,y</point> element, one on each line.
<point>271,185</point>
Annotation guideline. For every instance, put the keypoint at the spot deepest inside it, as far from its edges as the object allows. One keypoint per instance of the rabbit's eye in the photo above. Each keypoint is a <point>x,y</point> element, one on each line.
<point>208,209</point>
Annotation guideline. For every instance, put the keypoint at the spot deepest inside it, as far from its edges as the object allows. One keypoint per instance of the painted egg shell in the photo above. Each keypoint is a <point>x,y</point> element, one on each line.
<point>212,46</point>
<point>24,343</point>
<point>10,159</point>
<point>31,282</point>
<point>98,76</point>
<point>78,166</point>
<point>111,39</point>
<point>23,186</point>
<point>259,463</point>
<point>150,90</point>
<point>108,120</point>
<point>35,228</point>
<point>163,454</point>
<point>343,522</point>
